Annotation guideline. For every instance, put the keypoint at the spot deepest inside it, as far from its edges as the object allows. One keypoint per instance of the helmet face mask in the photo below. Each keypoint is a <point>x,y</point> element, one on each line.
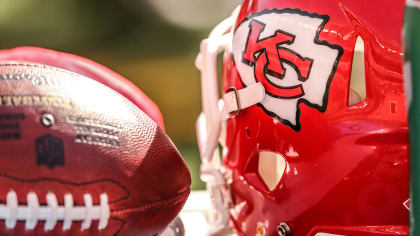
<point>303,146</point>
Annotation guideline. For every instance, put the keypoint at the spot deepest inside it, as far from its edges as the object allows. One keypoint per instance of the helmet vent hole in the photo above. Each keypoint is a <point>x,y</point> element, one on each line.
<point>248,132</point>
<point>357,91</point>
<point>393,107</point>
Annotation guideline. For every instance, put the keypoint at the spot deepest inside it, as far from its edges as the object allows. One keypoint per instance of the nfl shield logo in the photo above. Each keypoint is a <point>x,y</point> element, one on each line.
<point>49,151</point>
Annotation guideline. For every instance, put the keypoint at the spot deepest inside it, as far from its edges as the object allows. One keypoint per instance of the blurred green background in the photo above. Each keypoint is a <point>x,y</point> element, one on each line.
<point>153,43</point>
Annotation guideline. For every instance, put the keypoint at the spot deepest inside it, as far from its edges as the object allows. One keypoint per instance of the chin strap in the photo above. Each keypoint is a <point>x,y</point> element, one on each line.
<point>212,119</point>
<point>236,100</point>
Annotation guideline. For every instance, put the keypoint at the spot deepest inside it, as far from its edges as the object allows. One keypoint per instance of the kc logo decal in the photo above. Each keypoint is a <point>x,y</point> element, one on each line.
<point>282,50</point>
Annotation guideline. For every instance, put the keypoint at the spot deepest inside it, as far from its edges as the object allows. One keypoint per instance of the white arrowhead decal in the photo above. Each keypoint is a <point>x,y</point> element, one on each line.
<point>281,49</point>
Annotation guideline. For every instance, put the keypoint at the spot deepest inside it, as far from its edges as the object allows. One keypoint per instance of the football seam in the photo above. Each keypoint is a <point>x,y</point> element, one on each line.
<point>127,196</point>
<point>181,195</point>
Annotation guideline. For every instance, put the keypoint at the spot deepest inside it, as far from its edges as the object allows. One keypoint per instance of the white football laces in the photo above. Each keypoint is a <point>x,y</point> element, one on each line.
<point>11,212</point>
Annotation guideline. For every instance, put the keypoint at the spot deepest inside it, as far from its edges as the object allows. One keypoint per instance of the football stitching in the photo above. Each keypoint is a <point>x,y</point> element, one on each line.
<point>70,183</point>
<point>33,212</point>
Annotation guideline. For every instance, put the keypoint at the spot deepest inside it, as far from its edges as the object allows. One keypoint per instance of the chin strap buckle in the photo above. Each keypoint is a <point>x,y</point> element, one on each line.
<point>236,100</point>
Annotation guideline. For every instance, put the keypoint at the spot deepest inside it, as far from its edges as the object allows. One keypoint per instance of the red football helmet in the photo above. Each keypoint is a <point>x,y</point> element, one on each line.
<point>313,122</point>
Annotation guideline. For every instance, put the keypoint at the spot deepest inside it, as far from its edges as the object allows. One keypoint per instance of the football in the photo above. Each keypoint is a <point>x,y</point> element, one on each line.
<point>80,157</point>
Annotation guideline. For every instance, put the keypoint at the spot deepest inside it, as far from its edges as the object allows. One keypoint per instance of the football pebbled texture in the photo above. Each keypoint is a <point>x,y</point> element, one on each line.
<point>79,158</point>
<point>88,68</point>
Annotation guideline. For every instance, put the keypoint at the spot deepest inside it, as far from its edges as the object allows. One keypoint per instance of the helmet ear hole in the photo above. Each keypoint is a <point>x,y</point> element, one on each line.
<point>271,167</point>
<point>357,90</point>
<point>354,97</point>
<point>265,169</point>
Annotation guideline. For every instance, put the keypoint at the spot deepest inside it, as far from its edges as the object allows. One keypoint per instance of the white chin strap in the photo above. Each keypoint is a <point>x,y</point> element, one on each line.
<point>236,100</point>
<point>215,112</point>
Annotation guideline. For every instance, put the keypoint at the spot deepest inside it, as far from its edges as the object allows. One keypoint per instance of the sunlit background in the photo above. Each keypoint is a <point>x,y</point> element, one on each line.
<point>153,43</point>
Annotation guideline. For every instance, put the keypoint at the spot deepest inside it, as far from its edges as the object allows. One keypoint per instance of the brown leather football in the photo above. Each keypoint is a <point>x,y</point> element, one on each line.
<point>77,157</point>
